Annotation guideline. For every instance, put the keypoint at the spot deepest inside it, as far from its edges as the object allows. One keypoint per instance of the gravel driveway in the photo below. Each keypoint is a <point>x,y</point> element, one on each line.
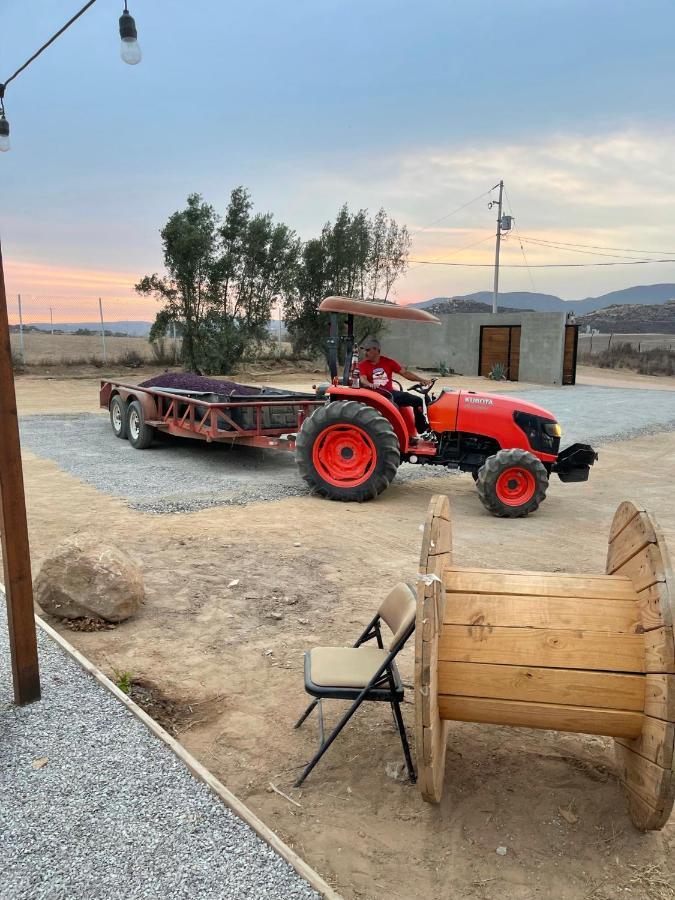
<point>94,806</point>
<point>181,475</point>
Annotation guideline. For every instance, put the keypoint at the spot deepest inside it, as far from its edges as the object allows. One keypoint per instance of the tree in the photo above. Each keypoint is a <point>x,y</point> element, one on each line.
<point>222,279</point>
<point>356,257</point>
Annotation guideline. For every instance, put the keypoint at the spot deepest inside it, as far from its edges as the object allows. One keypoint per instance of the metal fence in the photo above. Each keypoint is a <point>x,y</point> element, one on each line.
<point>591,344</point>
<point>44,332</point>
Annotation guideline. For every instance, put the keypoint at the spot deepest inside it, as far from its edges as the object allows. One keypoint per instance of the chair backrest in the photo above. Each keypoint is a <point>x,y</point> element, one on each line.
<point>398,610</point>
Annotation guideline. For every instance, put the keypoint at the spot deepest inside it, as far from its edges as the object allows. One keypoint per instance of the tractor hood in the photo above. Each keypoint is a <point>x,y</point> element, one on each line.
<point>498,401</point>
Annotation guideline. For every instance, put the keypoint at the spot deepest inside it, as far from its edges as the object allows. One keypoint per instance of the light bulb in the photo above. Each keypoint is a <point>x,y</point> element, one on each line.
<point>130,50</point>
<point>4,135</point>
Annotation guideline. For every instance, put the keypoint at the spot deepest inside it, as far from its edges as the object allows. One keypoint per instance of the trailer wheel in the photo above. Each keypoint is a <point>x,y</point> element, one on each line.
<point>118,417</point>
<point>140,434</point>
<point>512,483</point>
<point>347,451</point>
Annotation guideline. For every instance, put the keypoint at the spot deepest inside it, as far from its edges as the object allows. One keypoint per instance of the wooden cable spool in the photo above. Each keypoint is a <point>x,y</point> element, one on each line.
<point>580,653</point>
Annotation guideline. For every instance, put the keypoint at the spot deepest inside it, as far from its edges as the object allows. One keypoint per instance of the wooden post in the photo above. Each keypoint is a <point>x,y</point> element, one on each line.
<point>15,552</point>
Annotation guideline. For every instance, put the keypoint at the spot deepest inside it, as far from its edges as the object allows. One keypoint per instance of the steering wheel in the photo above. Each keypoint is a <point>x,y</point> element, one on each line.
<point>422,389</point>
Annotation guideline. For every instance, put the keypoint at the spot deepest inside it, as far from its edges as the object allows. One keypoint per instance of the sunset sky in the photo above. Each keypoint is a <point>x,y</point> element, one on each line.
<point>415,107</point>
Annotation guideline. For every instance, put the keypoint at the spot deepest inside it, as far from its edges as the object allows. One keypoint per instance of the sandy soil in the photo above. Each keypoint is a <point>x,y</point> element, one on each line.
<point>225,663</point>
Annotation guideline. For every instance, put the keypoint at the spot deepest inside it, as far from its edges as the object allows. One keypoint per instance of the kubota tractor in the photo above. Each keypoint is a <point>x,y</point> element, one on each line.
<point>350,448</point>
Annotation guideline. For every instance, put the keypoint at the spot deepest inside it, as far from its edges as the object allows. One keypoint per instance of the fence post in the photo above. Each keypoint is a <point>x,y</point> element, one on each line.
<point>609,342</point>
<point>22,349</point>
<point>14,529</point>
<point>591,350</point>
<point>100,309</point>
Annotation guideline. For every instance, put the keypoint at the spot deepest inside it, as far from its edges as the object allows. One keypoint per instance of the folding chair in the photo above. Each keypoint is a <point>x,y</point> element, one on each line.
<point>362,673</point>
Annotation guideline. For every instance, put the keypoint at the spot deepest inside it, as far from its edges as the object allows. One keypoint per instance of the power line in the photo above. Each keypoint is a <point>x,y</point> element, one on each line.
<point>595,246</point>
<point>634,262</point>
<point>552,246</point>
<point>459,209</point>
<point>465,247</point>
<point>522,249</point>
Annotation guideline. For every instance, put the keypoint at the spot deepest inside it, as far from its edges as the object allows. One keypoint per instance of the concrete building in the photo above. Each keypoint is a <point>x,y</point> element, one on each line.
<point>532,346</point>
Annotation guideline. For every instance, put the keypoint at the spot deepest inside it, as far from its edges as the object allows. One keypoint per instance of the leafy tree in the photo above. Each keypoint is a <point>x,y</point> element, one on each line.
<point>222,279</point>
<point>355,256</point>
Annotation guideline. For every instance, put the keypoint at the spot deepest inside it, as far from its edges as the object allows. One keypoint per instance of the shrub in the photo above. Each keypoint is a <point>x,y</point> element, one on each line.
<point>657,361</point>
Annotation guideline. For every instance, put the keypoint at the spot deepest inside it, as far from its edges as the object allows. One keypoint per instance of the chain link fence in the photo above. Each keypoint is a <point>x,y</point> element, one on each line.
<point>88,332</point>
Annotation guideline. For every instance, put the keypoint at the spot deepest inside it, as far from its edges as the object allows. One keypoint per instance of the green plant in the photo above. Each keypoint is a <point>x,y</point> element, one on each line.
<point>498,372</point>
<point>17,363</point>
<point>444,369</point>
<point>131,359</point>
<point>123,680</point>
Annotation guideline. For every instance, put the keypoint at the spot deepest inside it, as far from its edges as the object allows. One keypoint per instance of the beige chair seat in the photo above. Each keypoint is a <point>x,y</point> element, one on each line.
<point>347,667</point>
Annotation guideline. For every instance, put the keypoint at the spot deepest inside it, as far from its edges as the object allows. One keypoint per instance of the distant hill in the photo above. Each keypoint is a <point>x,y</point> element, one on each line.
<point>133,329</point>
<point>632,318</point>
<point>647,295</point>
<point>448,305</point>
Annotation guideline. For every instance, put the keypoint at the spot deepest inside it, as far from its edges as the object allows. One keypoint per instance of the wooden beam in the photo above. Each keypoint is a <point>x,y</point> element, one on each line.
<point>15,551</point>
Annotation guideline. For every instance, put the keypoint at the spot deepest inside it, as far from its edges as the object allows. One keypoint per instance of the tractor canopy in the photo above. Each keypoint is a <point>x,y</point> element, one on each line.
<point>350,307</point>
<point>376,309</point>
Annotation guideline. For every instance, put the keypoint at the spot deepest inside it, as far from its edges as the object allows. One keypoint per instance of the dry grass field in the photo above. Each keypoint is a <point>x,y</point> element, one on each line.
<point>76,349</point>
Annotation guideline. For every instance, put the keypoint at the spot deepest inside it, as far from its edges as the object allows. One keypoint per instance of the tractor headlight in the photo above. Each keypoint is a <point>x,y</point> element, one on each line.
<point>552,429</point>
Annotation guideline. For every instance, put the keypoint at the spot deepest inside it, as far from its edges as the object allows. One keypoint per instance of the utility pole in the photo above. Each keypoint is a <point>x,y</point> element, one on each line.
<point>495,289</point>
<point>51,319</point>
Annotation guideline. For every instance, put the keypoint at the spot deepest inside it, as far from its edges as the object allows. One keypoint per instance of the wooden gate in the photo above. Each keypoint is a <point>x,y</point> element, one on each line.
<point>570,358</point>
<point>500,344</point>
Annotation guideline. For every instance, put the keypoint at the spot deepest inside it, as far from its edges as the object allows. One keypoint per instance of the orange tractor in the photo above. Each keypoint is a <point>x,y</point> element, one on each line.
<point>350,448</point>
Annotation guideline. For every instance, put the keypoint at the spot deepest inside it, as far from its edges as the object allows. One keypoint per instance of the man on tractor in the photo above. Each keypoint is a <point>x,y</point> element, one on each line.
<point>377,373</point>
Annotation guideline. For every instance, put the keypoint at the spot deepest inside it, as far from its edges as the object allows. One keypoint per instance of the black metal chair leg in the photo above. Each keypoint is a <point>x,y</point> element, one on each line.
<point>322,749</point>
<point>306,713</point>
<point>404,741</point>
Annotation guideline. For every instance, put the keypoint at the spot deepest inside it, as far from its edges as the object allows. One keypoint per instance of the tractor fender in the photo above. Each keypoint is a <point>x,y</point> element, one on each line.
<point>384,406</point>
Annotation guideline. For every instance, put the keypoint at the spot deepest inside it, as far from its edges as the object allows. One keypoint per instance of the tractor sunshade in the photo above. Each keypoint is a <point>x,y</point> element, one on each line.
<point>574,462</point>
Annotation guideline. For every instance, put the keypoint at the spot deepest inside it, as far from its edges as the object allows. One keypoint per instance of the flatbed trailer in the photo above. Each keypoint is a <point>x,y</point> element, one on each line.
<point>268,421</point>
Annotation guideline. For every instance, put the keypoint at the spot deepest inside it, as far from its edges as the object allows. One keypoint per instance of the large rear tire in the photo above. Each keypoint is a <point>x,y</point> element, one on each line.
<point>347,451</point>
<point>512,483</point>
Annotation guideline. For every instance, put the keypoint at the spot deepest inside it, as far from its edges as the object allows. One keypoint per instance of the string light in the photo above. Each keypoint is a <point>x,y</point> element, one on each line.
<point>130,52</point>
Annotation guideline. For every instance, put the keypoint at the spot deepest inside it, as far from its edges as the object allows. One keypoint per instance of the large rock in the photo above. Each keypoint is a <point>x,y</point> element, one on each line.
<point>85,577</point>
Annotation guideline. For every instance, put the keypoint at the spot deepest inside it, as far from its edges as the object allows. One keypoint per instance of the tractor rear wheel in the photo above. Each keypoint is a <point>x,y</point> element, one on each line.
<point>512,483</point>
<point>347,451</point>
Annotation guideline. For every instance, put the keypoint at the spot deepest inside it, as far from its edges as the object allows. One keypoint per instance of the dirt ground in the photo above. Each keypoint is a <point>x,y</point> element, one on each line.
<point>222,662</point>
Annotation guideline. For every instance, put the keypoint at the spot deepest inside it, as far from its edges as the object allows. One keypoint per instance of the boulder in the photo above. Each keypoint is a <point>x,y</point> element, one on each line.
<point>85,577</point>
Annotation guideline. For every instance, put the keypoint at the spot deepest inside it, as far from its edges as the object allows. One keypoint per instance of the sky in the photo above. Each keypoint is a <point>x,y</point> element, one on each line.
<point>417,108</point>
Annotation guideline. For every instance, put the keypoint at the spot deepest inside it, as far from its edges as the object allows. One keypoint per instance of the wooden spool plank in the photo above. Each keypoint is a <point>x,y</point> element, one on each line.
<point>585,720</point>
<point>568,687</point>
<point>637,549</point>
<point>537,585</point>
<point>625,513</point>
<point>430,730</point>
<point>638,534</point>
<point>543,647</point>
<point>576,613</point>
<point>656,742</point>
<point>660,696</point>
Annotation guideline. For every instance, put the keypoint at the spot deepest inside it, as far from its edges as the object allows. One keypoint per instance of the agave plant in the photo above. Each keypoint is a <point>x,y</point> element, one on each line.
<point>498,372</point>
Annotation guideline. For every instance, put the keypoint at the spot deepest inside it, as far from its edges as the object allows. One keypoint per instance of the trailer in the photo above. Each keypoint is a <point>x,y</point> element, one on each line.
<point>268,419</point>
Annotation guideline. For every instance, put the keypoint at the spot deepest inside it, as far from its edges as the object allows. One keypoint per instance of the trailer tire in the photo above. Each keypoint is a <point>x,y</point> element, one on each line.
<point>347,451</point>
<point>118,417</point>
<point>140,434</point>
<point>512,483</point>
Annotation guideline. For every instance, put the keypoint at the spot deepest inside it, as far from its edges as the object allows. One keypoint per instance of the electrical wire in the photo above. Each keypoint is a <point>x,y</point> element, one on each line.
<point>459,209</point>
<point>3,85</point>
<point>553,246</point>
<point>595,246</point>
<point>518,235</point>
<point>459,249</point>
<point>634,262</point>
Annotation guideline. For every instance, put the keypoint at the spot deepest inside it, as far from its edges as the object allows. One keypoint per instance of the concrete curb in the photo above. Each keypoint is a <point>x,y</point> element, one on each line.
<point>197,769</point>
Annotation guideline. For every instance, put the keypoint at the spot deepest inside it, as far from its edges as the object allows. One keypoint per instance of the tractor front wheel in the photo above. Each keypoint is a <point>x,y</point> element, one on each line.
<point>347,451</point>
<point>512,483</point>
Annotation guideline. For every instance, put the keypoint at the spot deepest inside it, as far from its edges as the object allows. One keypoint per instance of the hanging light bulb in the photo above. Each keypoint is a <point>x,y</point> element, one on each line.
<point>4,134</point>
<point>130,50</point>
